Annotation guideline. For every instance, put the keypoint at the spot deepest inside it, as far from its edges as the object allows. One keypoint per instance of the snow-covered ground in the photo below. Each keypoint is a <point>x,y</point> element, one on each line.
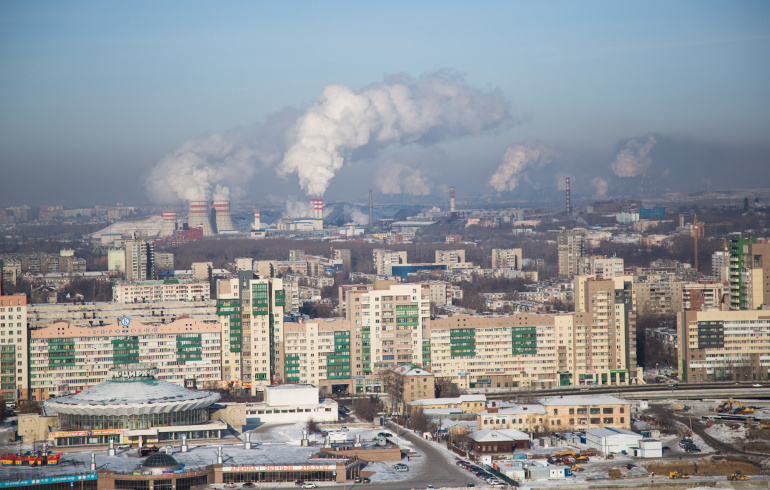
<point>724,433</point>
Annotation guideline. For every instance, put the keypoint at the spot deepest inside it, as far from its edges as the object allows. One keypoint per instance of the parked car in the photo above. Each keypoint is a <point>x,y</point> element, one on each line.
<point>248,484</point>
<point>309,485</point>
<point>230,485</point>
<point>299,483</point>
<point>692,449</point>
<point>366,479</point>
<point>384,434</point>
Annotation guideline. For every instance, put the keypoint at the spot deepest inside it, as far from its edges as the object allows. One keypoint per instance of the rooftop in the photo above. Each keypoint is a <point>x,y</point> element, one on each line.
<point>584,400</point>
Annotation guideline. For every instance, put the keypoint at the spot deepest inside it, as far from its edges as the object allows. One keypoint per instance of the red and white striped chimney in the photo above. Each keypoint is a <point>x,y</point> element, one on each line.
<point>198,217</point>
<point>169,223</point>
<point>318,208</point>
<point>257,224</point>
<point>222,215</point>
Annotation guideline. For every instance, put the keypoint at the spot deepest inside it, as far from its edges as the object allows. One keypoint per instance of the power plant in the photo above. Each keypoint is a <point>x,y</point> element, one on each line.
<point>318,208</point>
<point>222,220</point>
<point>169,223</point>
<point>198,217</point>
<point>451,199</point>
<point>257,224</point>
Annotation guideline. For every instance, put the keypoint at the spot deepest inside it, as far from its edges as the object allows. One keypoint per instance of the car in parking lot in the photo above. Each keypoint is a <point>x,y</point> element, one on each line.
<point>248,484</point>
<point>384,434</point>
<point>309,485</point>
<point>692,449</point>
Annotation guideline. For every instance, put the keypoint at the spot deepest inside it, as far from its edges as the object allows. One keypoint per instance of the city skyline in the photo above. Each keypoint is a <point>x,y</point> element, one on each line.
<point>97,100</point>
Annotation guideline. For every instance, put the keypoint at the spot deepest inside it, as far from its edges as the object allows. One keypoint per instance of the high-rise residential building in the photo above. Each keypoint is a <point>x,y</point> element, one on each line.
<point>601,266</point>
<point>749,273</point>
<point>571,248</point>
<point>140,260</point>
<point>14,360</point>
<point>715,345</point>
<point>251,312</point>
<point>65,358</point>
<point>392,323</point>
<point>506,258</point>
<point>160,291</point>
<point>343,254</point>
<point>604,337</point>
<point>720,265</point>
<point>384,260</point>
<point>164,261</point>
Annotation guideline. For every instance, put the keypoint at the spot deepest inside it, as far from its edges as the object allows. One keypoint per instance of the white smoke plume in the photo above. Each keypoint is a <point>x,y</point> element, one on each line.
<point>397,178</point>
<point>634,160</point>
<point>356,215</point>
<point>298,209</point>
<point>600,186</point>
<point>515,161</point>
<point>220,165</point>
<point>404,111</point>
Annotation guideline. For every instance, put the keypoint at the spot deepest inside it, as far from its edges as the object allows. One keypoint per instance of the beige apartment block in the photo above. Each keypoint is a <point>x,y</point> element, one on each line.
<point>14,362</point>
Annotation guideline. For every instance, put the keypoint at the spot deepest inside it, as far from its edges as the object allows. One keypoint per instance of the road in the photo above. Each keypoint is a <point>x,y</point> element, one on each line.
<point>435,469</point>
<point>715,443</point>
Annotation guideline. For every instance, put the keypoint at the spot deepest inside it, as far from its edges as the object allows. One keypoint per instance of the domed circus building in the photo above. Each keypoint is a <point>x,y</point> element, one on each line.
<point>132,407</point>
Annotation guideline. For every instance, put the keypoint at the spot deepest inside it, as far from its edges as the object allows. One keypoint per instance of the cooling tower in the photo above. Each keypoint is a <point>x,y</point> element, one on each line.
<point>257,224</point>
<point>318,208</point>
<point>222,218</point>
<point>451,199</point>
<point>199,217</point>
<point>169,223</point>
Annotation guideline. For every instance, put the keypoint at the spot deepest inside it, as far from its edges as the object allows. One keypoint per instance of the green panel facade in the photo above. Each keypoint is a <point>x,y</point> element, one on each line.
<point>407,315</point>
<point>125,350</point>
<point>338,363</point>
<point>462,342</point>
<point>8,367</point>
<point>189,347</point>
<point>61,352</point>
<point>366,350</point>
<point>232,308</point>
<point>523,341</point>
<point>292,368</point>
<point>426,353</point>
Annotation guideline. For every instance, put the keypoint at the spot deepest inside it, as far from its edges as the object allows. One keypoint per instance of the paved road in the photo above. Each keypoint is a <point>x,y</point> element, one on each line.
<point>434,469</point>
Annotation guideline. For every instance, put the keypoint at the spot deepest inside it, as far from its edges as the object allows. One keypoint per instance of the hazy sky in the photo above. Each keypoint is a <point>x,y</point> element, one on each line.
<point>93,95</point>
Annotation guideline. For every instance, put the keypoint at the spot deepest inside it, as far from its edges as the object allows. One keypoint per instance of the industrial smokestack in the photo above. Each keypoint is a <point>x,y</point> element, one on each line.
<point>371,211</point>
<point>318,208</point>
<point>199,217</point>
<point>451,199</point>
<point>222,217</point>
<point>257,224</point>
<point>569,206</point>
<point>169,223</point>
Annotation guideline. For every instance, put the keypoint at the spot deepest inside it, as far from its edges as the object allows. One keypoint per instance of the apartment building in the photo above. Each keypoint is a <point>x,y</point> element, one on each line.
<point>384,260</point>
<point>392,323</point>
<point>140,260</point>
<point>601,266</point>
<point>100,314</point>
<point>160,291</point>
<point>604,333</point>
<point>251,312</point>
<point>506,258</point>
<point>450,256</point>
<point>417,383</point>
<point>14,368</point>
<point>321,353</point>
<point>65,358</point>
<point>749,270</point>
<point>716,345</point>
<point>571,248</point>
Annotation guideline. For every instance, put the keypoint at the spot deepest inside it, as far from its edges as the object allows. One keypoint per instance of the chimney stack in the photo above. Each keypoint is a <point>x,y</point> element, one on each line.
<point>569,206</point>
<point>222,215</point>
<point>371,211</point>
<point>451,199</point>
<point>318,208</point>
<point>198,217</point>
<point>257,224</point>
<point>169,223</point>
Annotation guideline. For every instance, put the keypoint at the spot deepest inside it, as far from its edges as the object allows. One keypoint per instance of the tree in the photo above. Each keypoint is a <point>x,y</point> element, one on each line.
<point>419,421</point>
<point>367,408</point>
<point>446,389</point>
<point>29,407</point>
<point>312,427</point>
<point>393,383</point>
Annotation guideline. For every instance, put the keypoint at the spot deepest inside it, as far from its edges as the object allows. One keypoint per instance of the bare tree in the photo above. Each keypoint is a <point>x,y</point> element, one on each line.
<point>419,421</point>
<point>393,383</point>
<point>446,389</point>
<point>367,408</point>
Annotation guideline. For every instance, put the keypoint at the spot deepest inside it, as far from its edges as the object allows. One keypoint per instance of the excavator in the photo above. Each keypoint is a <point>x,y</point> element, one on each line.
<point>737,475</point>
<point>677,475</point>
<point>727,407</point>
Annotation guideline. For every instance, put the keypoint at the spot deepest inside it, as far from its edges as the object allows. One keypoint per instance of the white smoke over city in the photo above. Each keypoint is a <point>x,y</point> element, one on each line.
<point>318,142</point>
<point>297,208</point>
<point>406,111</point>
<point>356,215</point>
<point>218,166</point>
<point>600,186</point>
<point>397,178</point>
<point>515,162</point>
<point>634,160</point>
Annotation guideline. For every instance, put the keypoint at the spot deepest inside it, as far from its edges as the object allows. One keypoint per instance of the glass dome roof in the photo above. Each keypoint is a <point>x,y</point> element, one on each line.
<point>160,460</point>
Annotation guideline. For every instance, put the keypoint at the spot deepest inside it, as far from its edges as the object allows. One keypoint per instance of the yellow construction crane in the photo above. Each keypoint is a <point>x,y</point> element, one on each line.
<point>696,225</point>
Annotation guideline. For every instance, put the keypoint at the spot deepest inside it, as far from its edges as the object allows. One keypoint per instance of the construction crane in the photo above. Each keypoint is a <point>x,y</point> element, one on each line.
<point>696,225</point>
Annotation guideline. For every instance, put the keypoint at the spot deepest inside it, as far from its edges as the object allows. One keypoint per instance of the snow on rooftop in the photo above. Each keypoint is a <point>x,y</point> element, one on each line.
<point>611,431</point>
<point>450,401</point>
<point>490,435</point>
<point>517,409</point>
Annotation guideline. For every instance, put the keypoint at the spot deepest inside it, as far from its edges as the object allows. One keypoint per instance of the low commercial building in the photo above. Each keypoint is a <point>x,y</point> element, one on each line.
<point>587,412</point>
<point>466,403</point>
<point>610,440</point>
<point>491,442</point>
<point>530,418</point>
